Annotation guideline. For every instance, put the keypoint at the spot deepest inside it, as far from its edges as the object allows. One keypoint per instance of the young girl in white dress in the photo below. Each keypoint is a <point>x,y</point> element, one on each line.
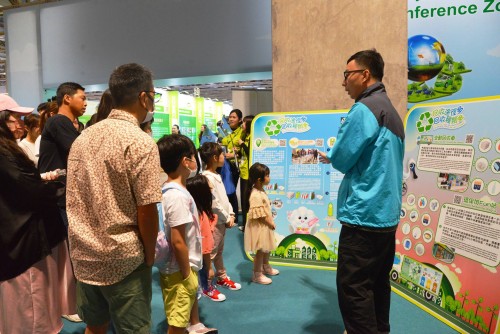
<point>259,229</point>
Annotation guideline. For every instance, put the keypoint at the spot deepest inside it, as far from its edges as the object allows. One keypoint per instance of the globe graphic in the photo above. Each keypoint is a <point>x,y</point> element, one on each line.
<point>426,56</point>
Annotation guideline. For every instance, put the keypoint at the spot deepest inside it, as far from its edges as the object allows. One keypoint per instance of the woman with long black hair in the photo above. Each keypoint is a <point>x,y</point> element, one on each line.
<point>33,251</point>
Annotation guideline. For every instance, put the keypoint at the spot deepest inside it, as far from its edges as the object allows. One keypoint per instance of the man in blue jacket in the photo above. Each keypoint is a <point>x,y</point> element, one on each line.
<point>369,150</point>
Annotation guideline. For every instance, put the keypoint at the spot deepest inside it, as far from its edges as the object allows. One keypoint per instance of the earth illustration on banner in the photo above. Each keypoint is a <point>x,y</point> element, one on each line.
<point>426,57</point>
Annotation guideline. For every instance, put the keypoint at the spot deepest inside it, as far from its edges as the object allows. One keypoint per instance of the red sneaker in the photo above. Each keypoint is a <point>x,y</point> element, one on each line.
<point>214,294</point>
<point>228,283</point>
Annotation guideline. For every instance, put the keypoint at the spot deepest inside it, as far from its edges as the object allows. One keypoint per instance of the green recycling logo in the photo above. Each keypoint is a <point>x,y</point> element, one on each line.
<point>272,127</point>
<point>425,122</point>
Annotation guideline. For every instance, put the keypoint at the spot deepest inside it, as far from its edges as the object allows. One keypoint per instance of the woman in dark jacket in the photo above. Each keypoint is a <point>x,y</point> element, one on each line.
<point>32,237</point>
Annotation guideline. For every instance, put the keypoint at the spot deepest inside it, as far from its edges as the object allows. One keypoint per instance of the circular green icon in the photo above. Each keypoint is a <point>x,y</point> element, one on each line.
<point>425,122</point>
<point>272,127</point>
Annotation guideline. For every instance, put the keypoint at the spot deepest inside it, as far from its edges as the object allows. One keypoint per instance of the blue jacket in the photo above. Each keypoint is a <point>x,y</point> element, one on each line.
<point>208,137</point>
<point>369,150</point>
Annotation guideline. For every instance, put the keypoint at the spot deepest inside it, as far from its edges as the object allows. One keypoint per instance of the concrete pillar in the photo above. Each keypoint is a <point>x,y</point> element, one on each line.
<point>24,70</point>
<point>313,39</point>
<point>252,101</point>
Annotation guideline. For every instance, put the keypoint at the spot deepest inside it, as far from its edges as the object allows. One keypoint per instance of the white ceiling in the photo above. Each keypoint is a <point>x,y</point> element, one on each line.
<point>7,4</point>
<point>220,91</point>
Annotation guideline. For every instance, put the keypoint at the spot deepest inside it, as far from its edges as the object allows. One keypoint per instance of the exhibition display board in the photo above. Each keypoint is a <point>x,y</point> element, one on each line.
<point>91,109</point>
<point>187,116</point>
<point>189,112</point>
<point>448,241</point>
<point>303,191</point>
<point>162,117</point>
<point>209,115</point>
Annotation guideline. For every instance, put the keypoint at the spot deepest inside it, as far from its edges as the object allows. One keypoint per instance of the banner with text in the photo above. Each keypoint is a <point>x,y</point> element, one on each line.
<point>448,240</point>
<point>448,246</point>
<point>303,191</point>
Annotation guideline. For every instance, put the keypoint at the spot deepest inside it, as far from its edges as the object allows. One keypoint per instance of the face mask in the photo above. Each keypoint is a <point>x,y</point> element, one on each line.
<point>192,173</point>
<point>148,118</point>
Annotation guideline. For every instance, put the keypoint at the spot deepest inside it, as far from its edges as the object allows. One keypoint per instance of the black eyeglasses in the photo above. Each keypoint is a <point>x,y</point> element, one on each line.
<point>347,73</point>
<point>156,96</point>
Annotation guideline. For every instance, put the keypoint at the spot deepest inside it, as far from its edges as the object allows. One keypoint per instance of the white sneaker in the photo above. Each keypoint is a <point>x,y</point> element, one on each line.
<point>72,317</point>
<point>200,328</point>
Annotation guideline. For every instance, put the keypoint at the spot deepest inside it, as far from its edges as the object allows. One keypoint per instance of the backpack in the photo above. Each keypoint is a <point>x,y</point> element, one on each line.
<point>162,247</point>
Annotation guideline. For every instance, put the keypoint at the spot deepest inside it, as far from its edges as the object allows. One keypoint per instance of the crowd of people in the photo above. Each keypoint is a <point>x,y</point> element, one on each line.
<point>81,243</point>
<point>79,209</point>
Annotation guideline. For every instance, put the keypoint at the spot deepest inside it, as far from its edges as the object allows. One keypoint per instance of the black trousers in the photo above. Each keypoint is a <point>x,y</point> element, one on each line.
<point>233,198</point>
<point>244,201</point>
<point>363,285</point>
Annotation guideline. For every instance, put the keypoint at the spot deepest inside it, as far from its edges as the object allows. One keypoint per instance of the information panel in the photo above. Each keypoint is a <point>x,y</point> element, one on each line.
<point>448,241</point>
<point>161,125</point>
<point>303,191</point>
<point>450,217</point>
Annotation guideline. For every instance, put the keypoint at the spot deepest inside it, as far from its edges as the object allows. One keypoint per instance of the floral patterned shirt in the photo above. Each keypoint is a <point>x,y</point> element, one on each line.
<point>113,168</point>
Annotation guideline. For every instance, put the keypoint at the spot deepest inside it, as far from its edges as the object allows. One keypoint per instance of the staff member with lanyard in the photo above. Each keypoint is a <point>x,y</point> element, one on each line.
<point>244,142</point>
<point>231,141</point>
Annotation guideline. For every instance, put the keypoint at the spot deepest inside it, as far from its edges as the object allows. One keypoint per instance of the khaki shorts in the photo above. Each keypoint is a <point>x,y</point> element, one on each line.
<point>127,303</point>
<point>178,297</point>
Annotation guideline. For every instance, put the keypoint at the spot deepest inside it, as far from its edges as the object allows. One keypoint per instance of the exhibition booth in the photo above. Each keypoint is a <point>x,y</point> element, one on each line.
<point>448,240</point>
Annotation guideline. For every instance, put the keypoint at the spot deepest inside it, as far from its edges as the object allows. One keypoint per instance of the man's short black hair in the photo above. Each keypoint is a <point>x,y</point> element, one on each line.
<point>372,60</point>
<point>127,82</point>
<point>173,148</point>
<point>67,88</point>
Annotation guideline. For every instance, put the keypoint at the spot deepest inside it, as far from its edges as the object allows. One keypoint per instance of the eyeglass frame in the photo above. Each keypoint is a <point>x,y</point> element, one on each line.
<point>156,95</point>
<point>348,73</point>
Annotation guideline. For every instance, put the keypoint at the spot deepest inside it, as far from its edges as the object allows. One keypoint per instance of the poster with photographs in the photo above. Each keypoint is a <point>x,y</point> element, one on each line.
<point>448,240</point>
<point>303,191</point>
